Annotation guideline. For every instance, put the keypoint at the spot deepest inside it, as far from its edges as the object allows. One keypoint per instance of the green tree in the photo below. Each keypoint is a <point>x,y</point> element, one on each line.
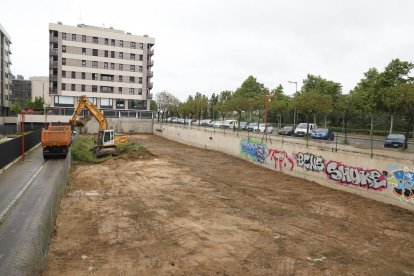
<point>251,89</point>
<point>37,104</point>
<point>153,106</point>
<point>223,104</point>
<point>401,98</point>
<point>15,107</point>
<point>349,105</point>
<point>279,102</point>
<point>322,86</point>
<point>311,103</point>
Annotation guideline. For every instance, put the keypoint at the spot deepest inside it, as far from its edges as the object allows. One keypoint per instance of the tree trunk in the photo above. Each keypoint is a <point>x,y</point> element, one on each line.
<point>391,122</point>
<point>325,121</point>
<point>314,119</point>
<point>372,125</point>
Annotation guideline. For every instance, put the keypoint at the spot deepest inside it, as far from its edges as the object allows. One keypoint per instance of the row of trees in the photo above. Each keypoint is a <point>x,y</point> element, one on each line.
<point>387,93</point>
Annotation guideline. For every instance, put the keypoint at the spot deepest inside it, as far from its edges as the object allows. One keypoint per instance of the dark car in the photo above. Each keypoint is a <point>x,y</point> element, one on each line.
<point>252,127</point>
<point>242,125</point>
<point>287,130</point>
<point>323,134</point>
<point>394,141</point>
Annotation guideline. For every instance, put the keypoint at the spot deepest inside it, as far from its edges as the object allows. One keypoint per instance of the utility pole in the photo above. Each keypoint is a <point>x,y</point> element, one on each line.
<point>294,110</point>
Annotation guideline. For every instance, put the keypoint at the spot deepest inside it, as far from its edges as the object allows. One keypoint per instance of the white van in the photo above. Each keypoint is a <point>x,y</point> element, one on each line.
<point>230,124</point>
<point>302,129</point>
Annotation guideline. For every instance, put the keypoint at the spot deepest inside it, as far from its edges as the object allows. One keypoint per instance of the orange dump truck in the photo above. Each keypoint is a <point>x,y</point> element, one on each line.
<point>56,141</point>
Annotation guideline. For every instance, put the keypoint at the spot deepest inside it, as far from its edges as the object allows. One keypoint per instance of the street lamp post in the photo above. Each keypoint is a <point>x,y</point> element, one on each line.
<point>294,110</point>
<point>268,96</point>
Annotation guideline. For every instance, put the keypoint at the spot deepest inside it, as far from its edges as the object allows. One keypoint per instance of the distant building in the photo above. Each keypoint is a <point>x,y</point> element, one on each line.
<point>22,91</point>
<point>111,67</point>
<point>5,80</point>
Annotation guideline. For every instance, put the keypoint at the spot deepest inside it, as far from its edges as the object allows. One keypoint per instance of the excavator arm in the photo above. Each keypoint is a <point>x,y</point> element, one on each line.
<point>83,102</point>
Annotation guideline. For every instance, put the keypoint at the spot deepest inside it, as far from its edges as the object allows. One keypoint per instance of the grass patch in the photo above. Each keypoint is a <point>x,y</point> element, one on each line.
<point>81,150</point>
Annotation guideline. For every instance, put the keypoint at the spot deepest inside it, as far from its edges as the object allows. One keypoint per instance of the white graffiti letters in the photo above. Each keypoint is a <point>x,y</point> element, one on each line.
<point>349,175</point>
<point>310,161</point>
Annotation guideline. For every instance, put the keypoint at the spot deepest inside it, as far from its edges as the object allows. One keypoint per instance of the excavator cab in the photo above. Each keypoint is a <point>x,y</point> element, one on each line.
<point>106,138</point>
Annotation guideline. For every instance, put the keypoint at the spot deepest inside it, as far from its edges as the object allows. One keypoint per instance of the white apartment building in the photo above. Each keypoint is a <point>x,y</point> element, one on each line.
<point>5,78</point>
<point>111,67</point>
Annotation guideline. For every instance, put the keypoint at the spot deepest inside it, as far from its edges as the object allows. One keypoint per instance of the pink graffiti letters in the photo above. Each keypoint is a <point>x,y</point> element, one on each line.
<point>370,179</point>
<point>281,159</point>
<point>310,161</point>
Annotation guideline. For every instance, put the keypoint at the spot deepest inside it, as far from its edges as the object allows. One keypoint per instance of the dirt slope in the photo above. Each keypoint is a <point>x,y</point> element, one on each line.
<point>188,211</point>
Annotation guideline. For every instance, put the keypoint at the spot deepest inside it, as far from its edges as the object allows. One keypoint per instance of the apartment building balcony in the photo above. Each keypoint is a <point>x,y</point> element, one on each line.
<point>150,74</point>
<point>151,63</point>
<point>52,77</point>
<point>151,52</point>
<point>150,85</point>
<point>53,39</point>
<point>53,52</point>
<point>52,90</point>
<point>149,96</point>
<point>53,63</point>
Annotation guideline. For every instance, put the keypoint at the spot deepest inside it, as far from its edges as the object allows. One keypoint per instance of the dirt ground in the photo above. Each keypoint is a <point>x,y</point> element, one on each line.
<point>187,211</point>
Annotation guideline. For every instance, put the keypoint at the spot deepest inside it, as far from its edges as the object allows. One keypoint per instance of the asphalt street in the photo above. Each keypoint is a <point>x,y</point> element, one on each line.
<point>26,190</point>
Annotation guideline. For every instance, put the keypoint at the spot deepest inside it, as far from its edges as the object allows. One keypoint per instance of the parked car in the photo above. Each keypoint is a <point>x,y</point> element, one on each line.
<point>302,129</point>
<point>242,125</point>
<point>211,123</point>
<point>218,123</point>
<point>252,127</point>
<point>323,134</point>
<point>262,128</point>
<point>205,122</point>
<point>287,130</point>
<point>394,141</point>
<point>229,124</point>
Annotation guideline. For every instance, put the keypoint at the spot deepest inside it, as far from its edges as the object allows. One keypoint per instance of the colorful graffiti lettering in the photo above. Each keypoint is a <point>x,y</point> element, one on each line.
<point>310,161</point>
<point>403,181</point>
<point>281,159</point>
<point>254,150</point>
<point>370,179</point>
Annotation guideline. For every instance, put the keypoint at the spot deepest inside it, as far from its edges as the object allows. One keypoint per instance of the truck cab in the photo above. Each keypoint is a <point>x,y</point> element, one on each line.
<point>302,129</point>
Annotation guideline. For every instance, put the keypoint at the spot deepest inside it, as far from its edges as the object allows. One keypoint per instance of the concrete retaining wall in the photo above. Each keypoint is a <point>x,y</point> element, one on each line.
<point>383,178</point>
<point>122,125</point>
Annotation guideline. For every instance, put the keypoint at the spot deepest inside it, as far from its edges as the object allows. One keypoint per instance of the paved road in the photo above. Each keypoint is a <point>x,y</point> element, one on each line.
<point>27,197</point>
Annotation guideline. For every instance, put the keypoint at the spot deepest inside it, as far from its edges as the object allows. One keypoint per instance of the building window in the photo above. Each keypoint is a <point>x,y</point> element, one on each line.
<point>121,55</point>
<point>83,88</point>
<point>95,40</point>
<point>94,76</point>
<point>132,79</point>
<point>83,51</point>
<point>95,52</point>
<point>120,90</point>
<point>139,80</point>
<point>63,48</point>
<point>63,86</point>
<point>106,53</point>
<point>63,61</point>
<point>112,54</point>
<point>120,103</point>
<point>107,77</point>
<point>120,79</point>
<point>94,88</point>
<point>139,91</point>
<point>106,41</point>
<point>113,66</point>
<point>132,56</point>
<point>73,37</point>
<point>132,45</point>
<point>136,104</point>
<point>63,74</point>
<point>140,57</point>
<point>121,43</point>
<point>107,89</point>
<point>73,87</point>
<point>63,36</point>
<point>84,38</point>
<point>83,75</point>
<point>73,75</point>
<point>140,69</point>
<point>105,65</point>
<point>112,42</point>
<point>83,63</point>
<point>106,102</point>
<point>131,91</point>
<point>94,64</point>
<point>64,101</point>
<point>141,46</point>
<point>121,67</point>
<point>132,68</point>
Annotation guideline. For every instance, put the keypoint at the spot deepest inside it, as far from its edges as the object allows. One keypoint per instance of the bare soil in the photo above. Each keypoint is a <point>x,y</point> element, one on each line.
<point>187,211</point>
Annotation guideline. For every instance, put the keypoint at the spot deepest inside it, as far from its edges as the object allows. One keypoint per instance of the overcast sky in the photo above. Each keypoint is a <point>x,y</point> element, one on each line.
<point>210,46</point>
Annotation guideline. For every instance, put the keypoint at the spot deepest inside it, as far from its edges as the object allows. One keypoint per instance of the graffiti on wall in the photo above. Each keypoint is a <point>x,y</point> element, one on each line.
<point>403,183</point>
<point>281,159</point>
<point>370,179</point>
<point>310,161</point>
<point>254,150</point>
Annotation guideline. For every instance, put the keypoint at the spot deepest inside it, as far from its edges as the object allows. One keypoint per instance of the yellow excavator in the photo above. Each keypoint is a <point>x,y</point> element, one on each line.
<point>107,139</point>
